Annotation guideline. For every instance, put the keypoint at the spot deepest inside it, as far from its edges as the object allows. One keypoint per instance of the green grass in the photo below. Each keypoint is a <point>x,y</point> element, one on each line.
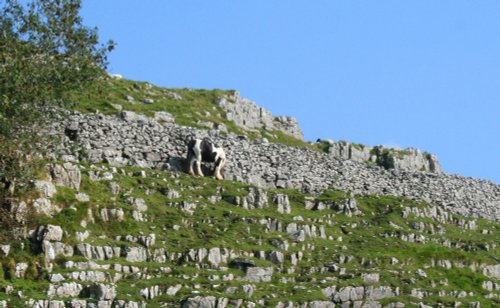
<point>225,225</point>
<point>196,105</point>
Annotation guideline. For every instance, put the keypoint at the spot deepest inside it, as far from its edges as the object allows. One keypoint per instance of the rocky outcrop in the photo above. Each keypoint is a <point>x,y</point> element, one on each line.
<point>147,143</point>
<point>259,274</point>
<point>249,115</point>
<point>67,175</point>
<point>409,159</point>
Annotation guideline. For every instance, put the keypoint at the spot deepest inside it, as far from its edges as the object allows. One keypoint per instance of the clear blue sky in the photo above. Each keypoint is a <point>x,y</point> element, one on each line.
<point>424,74</point>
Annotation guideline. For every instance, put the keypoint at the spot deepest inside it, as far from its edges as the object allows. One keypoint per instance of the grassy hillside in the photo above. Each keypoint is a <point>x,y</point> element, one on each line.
<point>190,107</point>
<point>143,235</point>
<point>186,213</point>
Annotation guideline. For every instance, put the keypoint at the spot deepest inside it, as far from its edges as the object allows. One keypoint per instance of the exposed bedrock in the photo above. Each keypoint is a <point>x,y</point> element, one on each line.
<point>247,114</point>
<point>129,139</point>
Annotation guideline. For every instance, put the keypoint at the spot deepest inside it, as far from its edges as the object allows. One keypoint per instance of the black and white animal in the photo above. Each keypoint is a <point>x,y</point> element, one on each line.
<point>205,150</point>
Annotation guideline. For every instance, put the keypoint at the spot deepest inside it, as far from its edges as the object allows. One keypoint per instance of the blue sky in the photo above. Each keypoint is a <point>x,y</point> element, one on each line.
<point>424,74</point>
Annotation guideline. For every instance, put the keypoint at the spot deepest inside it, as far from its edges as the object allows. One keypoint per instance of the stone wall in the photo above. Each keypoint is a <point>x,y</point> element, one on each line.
<point>247,114</point>
<point>129,139</point>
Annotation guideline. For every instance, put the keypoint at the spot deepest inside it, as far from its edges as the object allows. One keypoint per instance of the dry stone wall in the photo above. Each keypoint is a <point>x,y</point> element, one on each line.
<point>130,139</point>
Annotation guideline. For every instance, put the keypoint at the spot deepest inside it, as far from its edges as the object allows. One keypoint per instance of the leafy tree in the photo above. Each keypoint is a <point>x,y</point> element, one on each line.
<point>46,53</point>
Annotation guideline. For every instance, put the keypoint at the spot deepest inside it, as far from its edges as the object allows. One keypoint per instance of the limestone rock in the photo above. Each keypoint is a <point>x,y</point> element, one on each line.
<point>129,98</point>
<point>41,206</point>
<point>256,198</point>
<point>136,254</point>
<point>54,278</point>
<point>88,276</point>
<point>67,175</point>
<point>172,290</point>
<point>101,291</point>
<point>4,250</point>
<point>248,289</point>
<point>258,274</point>
<point>214,256</point>
<point>329,292</point>
<point>288,125</point>
<point>151,292</point>
<point>283,203</point>
<point>97,252</point>
<point>130,116</point>
<point>43,303</point>
<point>114,187</point>
<point>21,268</point>
<point>138,203</point>
<point>370,278</point>
<point>117,107</point>
<point>164,117</point>
<point>276,257</point>
<point>249,115</point>
<point>66,289</point>
<point>46,188</point>
<point>50,233</point>
<point>421,273</point>
<point>492,271</point>
<point>112,214</point>
<point>82,197</point>
<point>268,165</point>
<point>200,302</point>
<point>377,293</point>
<point>54,249</point>
<point>172,95</point>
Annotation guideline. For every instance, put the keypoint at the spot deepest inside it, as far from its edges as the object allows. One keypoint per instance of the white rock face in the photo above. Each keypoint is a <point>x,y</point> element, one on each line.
<point>131,116</point>
<point>138,203</point>
<point>56,278</point>
<point>249,115</point>
<point>54,249</point>
<point>214,256</point>
<point>172,290</point>
<point>409,159</point>
<point>136,254</point>
<point>5,249</point>
<point>50,233</point>
<point>283,203</point>
<point>45,207</point>
<point>67,175</point>
<point>164,117</point>
<point>492,271</point>
<point>82,197</point>
<point>21,268</point>
<point>199,301</point>
<point>259,274</point>
<point>66,289</point>
<point>370,278</point>
<point>46,188</point>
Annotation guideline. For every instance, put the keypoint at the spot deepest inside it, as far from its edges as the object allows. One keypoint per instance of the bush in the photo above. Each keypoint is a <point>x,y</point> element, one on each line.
<point>45,54</point>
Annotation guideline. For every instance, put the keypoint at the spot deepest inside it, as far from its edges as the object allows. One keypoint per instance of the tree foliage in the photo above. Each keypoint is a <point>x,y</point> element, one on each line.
<point>45,54</point>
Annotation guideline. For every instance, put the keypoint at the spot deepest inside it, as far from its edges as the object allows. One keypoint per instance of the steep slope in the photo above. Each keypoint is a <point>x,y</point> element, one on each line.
<point>117,223</point>
<point>132,236</point>
<point>130,139</point>
<point>227,112</point>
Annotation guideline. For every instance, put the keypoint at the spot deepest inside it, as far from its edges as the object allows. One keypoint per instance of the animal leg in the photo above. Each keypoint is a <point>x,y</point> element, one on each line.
<point>198,168</point>
<point>217,174</point>
<point>218,168</point>
<point>191,167</point>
